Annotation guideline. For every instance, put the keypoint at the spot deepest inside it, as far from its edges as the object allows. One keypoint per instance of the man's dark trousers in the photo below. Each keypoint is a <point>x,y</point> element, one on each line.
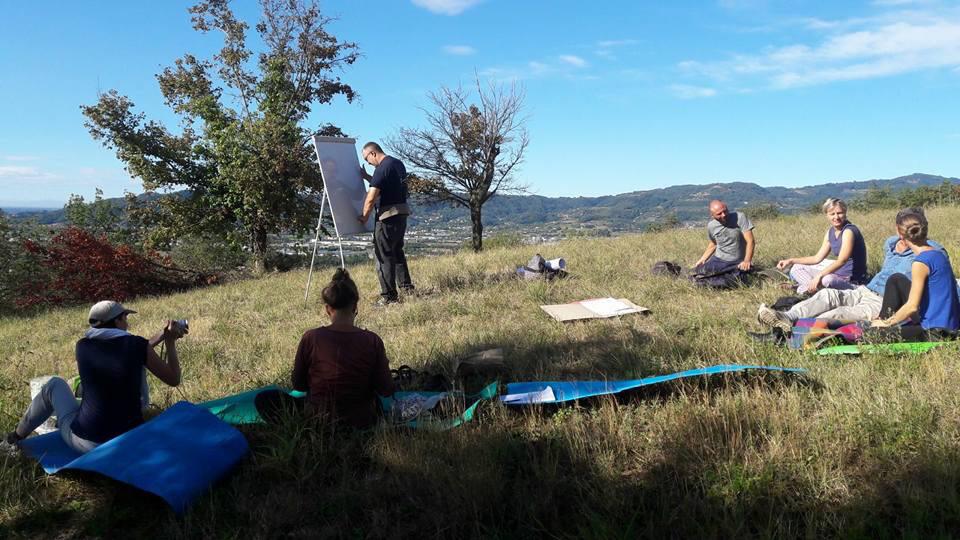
<point>391,261</point>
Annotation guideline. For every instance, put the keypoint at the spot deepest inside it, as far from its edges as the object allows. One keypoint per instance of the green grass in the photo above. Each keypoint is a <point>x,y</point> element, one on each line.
<point>865,447</point>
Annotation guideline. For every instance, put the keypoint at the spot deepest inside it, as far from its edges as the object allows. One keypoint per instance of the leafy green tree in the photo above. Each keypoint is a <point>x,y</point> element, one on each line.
<point>876,197</point>
<point>762,210</point>
<point>100,216</point>
<point>468,152</point>
<point>19,267</point>
<point>240,153</point>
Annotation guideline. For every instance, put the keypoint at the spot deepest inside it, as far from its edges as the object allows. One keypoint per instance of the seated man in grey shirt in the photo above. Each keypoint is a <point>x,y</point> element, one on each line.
<point>860,304</point>
<point>731,241</point>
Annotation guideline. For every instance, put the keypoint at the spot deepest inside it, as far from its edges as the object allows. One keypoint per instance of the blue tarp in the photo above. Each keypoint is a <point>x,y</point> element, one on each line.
<point>178,455</point>
<point>529,393</point>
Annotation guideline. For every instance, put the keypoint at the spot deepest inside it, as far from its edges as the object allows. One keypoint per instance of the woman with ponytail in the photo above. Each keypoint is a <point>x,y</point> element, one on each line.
<point>928,299</point>
<point>341,367</point>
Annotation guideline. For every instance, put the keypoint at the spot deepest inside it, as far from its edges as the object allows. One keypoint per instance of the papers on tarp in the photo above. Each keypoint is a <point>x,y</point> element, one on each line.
<point>538,396</point>
<point>594,308</point>
<point>178,455</point>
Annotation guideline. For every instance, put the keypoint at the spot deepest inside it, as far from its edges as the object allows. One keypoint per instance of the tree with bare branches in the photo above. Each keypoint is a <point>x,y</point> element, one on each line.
<point>468,152</point>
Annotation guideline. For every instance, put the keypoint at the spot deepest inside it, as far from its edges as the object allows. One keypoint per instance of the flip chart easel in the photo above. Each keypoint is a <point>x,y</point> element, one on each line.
<point>343,193</point>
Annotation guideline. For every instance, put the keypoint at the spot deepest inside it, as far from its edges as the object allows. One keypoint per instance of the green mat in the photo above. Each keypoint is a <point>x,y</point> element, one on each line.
<point>240,408</point>
<point>882,348</point>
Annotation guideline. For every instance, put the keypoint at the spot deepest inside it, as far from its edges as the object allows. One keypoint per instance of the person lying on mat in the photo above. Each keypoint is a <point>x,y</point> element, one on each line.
<point>860,304</point>
<point>731,243</point>
<point>342,368</point>
<point>928,299</point>
<point>111,362</point>
<point>844,241</point>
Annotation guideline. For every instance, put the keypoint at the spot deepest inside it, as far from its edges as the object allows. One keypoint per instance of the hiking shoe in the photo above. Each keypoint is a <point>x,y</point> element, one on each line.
<point>774,319</point>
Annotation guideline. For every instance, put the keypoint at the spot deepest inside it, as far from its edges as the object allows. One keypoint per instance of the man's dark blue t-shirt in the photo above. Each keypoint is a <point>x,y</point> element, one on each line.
<point>111,371</point>
<point>391,178</point>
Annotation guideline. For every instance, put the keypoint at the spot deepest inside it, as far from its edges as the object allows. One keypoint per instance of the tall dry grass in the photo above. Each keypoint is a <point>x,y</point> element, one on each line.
<point>862,447</point>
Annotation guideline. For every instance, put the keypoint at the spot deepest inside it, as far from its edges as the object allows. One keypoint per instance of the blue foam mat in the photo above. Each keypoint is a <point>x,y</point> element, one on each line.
<point>178,455</point>
<point>529,393</point>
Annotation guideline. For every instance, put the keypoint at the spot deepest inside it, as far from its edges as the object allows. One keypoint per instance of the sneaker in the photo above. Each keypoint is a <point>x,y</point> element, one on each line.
<point>774,319</point>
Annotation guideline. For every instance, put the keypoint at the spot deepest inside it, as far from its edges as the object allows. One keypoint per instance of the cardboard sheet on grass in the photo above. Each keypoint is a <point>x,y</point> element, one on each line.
<point>594,308</point>
<point>240,408</point>
<point>917,347</point>
<point>542,393</point>
<point>178,455</point>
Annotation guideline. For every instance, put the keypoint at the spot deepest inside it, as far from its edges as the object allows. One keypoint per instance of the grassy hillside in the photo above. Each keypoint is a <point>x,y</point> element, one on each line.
<point>863,447</point>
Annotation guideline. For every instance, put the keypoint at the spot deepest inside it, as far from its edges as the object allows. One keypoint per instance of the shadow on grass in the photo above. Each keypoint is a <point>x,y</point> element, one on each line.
<point>715,471</point>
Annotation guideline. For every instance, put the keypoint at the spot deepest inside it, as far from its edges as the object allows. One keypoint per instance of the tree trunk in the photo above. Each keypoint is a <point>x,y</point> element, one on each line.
<point>477,226</point>
<point>258,244</point>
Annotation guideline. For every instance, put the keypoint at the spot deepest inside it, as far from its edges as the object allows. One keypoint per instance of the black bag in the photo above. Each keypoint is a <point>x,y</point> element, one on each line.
<point>666,268</point>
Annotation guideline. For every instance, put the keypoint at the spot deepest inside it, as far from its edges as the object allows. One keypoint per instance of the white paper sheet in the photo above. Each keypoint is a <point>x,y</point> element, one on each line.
<point>608,307</point>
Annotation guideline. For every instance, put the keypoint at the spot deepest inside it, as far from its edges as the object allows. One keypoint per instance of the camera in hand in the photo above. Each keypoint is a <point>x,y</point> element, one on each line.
<point>181,325</point>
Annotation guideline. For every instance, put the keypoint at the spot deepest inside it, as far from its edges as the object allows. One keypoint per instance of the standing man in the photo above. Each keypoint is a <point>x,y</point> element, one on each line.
<point>388,192</point>
<point>731,241</point>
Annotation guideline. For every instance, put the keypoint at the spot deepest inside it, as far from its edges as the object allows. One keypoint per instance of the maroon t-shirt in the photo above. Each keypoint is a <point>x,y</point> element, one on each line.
<point>342,373</point>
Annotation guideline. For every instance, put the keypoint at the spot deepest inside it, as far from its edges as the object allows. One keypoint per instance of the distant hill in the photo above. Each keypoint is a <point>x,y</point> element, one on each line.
<point>688,202</point>
<point>626,210</point>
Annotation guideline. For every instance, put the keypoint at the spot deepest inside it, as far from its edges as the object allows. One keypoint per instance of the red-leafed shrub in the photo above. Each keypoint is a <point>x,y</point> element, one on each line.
<point>77,267</point>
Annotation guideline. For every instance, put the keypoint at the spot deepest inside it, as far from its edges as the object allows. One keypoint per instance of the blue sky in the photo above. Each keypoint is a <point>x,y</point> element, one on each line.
<point>621,95</point>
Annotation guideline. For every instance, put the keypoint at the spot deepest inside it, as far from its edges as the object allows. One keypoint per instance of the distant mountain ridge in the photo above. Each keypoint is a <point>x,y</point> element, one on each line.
<point>629,210</point>
<point>687,202</point>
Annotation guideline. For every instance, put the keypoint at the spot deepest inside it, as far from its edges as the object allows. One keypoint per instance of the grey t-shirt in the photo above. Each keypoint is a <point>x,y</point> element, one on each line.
<point>729,236</point>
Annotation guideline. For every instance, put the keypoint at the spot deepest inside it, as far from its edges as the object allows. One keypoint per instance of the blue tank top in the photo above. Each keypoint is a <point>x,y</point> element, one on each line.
<point>939,305</point>
<point>856,265</point>
<point>110,370</point>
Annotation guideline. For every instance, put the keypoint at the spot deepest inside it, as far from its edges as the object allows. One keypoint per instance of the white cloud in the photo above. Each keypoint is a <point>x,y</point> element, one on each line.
<point>606,44</point>
<point>19,172</point>
<point>890,45</point>
<point>572,60</point>
<point>686,91</point>
<point>459,50</point>
<point>18,158</point>
<point>446,7</point>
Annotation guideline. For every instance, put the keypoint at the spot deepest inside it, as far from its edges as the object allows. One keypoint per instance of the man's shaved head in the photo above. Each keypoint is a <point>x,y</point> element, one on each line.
<point>718,210</point>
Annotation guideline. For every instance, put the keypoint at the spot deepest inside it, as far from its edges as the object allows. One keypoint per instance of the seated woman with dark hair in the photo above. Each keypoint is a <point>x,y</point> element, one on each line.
<point>844,241</point>
<point>341,367</point>
<point>928,299</point>
<point>111,363</point>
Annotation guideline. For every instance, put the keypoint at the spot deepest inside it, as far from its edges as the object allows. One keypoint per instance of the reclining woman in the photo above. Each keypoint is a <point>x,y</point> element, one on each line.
<point>342,368</point>
<point>926,305</point>
<point>111,364</point>
<point>844,241</point>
